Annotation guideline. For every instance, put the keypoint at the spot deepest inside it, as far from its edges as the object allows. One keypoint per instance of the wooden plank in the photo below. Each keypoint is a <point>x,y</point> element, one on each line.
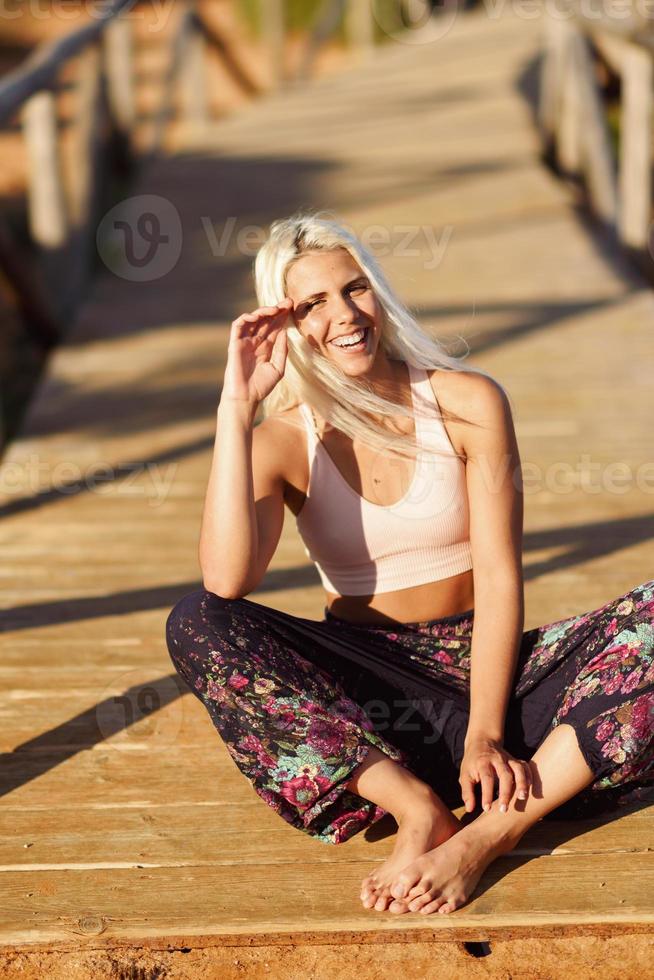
<point>93,573</point>
<point>173,835</point>
<point>319,900</point>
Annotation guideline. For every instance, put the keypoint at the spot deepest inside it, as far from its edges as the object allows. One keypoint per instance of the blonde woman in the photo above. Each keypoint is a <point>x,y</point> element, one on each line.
<point>419,689</point>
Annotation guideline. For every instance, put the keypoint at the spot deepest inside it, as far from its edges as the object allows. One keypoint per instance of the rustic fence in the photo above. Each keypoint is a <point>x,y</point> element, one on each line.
<point>49,259</point>
<point>574,122</point>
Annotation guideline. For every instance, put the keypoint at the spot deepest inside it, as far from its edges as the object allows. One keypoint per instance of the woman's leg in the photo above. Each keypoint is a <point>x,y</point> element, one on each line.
<point>423,820</point>
<point>601,738</point>
<point>444,878</point>
<point>287,722</point>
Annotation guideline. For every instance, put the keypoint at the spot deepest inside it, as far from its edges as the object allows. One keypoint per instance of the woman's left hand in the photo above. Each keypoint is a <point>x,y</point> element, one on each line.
<point>485,760</point>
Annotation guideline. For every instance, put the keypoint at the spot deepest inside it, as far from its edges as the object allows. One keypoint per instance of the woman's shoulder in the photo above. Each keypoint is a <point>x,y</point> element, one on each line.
<point>468,394</point>
<point>469,397</point>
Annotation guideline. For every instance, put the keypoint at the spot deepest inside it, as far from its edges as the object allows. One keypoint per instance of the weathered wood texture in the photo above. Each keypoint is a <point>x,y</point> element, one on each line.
<point>125,824</point>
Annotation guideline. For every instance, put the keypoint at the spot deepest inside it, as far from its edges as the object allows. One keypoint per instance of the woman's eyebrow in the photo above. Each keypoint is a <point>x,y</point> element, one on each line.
<point>318,295</point>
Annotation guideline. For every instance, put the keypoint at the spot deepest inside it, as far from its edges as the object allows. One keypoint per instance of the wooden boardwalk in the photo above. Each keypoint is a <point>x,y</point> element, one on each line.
<point>129,839</point>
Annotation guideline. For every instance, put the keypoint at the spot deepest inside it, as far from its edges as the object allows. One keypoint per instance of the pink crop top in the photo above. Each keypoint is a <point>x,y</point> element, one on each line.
<point>362,548</point>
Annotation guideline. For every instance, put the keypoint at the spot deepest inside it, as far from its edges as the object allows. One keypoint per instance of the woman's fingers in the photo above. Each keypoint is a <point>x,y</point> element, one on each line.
<point>262,319</point>
<point>467,784</point>
<point>487,776</point>
<point>522,774</point>
<point>279,351</point>
<point>507,784</point>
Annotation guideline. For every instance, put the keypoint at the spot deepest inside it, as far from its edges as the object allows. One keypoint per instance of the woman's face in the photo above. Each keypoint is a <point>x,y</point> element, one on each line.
<point>333,303</point>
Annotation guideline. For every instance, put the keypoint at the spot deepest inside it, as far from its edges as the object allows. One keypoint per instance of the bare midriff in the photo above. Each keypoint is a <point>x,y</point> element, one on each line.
<point>420,603</point>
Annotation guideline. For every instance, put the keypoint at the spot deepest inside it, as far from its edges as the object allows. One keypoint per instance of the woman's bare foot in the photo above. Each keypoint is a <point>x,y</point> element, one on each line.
<point>425,824</point>
<point>444,878</point>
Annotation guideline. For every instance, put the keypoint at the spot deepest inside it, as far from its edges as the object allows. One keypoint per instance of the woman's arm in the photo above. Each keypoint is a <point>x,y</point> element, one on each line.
<point>244,506</point>
<point>243,512</point>
<point>495,494</point>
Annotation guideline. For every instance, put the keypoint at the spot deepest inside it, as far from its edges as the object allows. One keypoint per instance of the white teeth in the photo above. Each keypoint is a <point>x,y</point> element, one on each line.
<point>350,341</point>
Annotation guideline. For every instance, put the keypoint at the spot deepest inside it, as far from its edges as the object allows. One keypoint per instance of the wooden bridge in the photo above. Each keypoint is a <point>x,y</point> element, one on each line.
<point>131,844</point>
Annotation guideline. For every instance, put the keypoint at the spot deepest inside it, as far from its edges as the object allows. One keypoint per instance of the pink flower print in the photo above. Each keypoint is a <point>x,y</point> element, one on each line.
<point>442,657</point>
<point>284,719</point>
<point>611,684</point>
<point>611,628</point>
<point>238,681</point>
<point>613,750</point>
<point>642,718</point>
<point>348,824</point>
<point>631,682</point>
<point>199,683</point>
<point>604,730</point>
<point>303,790</point>
<point>321,736</point>
<point>263,685</point>
<point>250,742</point>
<point>215,691</point>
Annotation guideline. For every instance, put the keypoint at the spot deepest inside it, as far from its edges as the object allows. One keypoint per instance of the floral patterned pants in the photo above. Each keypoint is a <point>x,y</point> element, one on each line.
<point>299,702</point>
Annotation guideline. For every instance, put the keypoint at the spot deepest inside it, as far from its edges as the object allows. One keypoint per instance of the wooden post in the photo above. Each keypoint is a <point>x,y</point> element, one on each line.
<point>273,30</point>
<point>551,77</point>
<point>568,133</point>
<point>46,197</point>
<point>360,27</point>
<point>81,171</point>
<point>193,82</point>
<point>118,49</point>
<point>635,174</point>
<point>598,157</point>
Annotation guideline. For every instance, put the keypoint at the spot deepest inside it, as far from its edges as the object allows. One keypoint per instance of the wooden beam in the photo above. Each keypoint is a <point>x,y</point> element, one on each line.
<point>360,27</point>
<point>118,49</point>
<point>273,29</point>
<point>48,218</point>
<point>598,157</point>
<point>39,71</point>
<point>635,171</point>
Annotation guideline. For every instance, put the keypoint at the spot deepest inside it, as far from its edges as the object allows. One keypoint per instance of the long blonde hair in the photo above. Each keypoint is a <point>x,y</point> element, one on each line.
<point>342,401</point>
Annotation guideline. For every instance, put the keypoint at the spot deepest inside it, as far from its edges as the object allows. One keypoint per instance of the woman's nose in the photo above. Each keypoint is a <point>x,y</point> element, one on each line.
<point>345,310</point>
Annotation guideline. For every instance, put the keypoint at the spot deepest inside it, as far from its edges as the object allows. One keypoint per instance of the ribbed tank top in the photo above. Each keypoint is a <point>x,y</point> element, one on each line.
<point>363,548</point>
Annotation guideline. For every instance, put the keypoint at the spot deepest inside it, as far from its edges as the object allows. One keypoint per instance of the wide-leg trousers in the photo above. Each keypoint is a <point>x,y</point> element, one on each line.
<point>299,702</point>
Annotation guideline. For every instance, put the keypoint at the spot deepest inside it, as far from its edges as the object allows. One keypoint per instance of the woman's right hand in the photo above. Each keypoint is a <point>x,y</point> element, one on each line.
<point>256,356</point>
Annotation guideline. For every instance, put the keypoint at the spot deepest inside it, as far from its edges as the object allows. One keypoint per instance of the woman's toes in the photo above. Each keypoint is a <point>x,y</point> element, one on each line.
<point>419,903</point>
<point>398,907</point>
<point>382,903</point>
<point>434,906</point>
<point>369,899</point>
<point>403,885</point>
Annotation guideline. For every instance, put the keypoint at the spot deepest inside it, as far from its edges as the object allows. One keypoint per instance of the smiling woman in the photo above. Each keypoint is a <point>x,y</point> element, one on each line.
<point>419,686</point>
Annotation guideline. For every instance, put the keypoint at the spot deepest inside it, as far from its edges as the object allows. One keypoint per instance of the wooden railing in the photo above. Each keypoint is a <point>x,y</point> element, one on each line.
<point>65,192</point>
<point>574,125</point>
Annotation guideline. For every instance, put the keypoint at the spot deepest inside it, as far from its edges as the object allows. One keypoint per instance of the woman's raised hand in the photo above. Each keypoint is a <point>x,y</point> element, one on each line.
<point>256,356</point>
